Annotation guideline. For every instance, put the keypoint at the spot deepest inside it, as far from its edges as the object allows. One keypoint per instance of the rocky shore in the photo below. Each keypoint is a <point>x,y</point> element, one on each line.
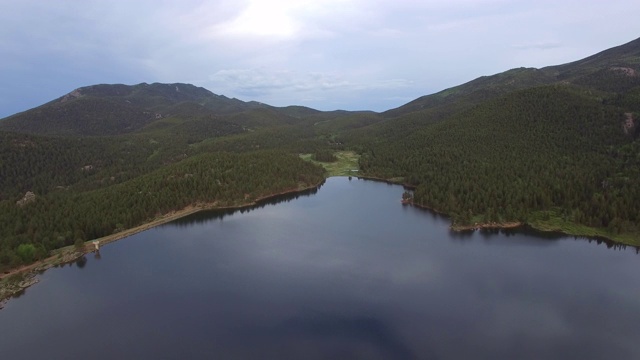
<point>13,285</point>
<point>489,225</point>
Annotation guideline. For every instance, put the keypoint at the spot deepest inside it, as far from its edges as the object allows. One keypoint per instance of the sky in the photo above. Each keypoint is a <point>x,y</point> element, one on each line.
<point>325,54</point>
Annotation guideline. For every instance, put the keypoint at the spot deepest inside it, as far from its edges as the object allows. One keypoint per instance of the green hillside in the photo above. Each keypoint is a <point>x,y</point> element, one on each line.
<point>63,218</point>
<point>557,148</point>
<point>612,70</point>
<point>104,109</point>
<point>549,149</point>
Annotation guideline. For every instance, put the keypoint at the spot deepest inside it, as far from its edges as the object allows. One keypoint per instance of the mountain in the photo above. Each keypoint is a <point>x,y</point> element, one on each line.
<point>617,59</point>
<point>476,91</point>
<point>615,69</point>
<point>556,148</point>
<point>119,109</point>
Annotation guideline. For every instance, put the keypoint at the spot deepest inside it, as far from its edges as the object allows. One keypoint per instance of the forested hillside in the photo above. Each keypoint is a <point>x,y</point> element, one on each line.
<point>106,109</point>
<point>106,158</point>
<point>551,148</point>
<point>557,148</point>
<point>30,231</point>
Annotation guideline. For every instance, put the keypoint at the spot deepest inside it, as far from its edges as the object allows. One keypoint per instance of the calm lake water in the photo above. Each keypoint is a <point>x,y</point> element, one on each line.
<point>345,273</point>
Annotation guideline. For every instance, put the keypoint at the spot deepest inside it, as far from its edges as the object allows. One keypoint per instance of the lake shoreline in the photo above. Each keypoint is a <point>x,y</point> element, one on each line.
<point>518,224</point>
<point>470,227</point>
<point>542,227</point>
<point>456,228</point>
<point>490,225</point>
<point>347,260</point>
<point>18,280</point>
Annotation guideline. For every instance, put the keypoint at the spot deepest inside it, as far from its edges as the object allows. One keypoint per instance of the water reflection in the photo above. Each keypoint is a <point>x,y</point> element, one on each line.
<point>537,237</point>
<point>373,336</point>
<point>205,216</point>
<point>81,262</point>
<point>346,273</point>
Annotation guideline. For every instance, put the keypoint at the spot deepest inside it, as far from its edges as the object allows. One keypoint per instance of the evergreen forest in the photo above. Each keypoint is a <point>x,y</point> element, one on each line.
<point>556,148</point>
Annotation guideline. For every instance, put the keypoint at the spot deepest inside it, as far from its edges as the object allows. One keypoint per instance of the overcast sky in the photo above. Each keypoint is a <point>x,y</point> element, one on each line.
<point>326,54</point>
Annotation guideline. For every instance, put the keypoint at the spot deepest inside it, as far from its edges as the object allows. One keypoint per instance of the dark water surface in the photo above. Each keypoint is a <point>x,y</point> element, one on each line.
<point>347,272</point>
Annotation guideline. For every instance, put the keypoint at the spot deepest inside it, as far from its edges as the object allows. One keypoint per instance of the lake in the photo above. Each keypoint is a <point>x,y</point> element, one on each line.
<point>346,272</point>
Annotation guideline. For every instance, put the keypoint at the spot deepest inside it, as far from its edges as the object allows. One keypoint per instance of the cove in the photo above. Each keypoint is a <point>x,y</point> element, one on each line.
<point>344,272</point>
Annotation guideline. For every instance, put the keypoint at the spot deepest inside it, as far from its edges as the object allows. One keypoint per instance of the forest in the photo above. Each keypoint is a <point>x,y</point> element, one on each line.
<point>544,152</point>
<point>62,218</point>
<point>556,148</point>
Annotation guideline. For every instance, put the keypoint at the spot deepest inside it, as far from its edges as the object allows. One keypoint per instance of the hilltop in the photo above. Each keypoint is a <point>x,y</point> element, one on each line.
<point>113,109</point>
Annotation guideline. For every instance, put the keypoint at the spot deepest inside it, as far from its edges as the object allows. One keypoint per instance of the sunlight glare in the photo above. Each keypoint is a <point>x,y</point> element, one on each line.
<point>265,18</point>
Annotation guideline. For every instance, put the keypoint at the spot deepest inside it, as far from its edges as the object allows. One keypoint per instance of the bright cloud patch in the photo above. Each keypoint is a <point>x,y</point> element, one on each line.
<point>263,19</point>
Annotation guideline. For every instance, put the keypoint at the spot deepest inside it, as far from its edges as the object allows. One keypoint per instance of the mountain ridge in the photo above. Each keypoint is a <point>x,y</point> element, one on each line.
<point>623,56</point>
<point>132,107</point>
<point>113,109</point>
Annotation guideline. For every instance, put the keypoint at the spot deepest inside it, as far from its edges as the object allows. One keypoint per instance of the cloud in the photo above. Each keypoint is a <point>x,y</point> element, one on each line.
<point>262,19</point>
<point>276,20</point>
<point>538,45</point>
<point>261,81</point>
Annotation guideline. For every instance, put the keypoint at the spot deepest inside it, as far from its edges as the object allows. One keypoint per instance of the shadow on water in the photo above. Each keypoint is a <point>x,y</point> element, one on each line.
<point>554,236</point>
<point>81,262</point>
<point>345,330</point>
<point>534,237</point>
<point>504,236</point>
<point>428,212</point>
<point>381,181</point>
<point>218,214</point>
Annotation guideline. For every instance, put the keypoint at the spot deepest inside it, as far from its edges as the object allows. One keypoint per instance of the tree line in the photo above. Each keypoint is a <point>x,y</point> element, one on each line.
<point>553,149</point>
<point>61,218</point>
